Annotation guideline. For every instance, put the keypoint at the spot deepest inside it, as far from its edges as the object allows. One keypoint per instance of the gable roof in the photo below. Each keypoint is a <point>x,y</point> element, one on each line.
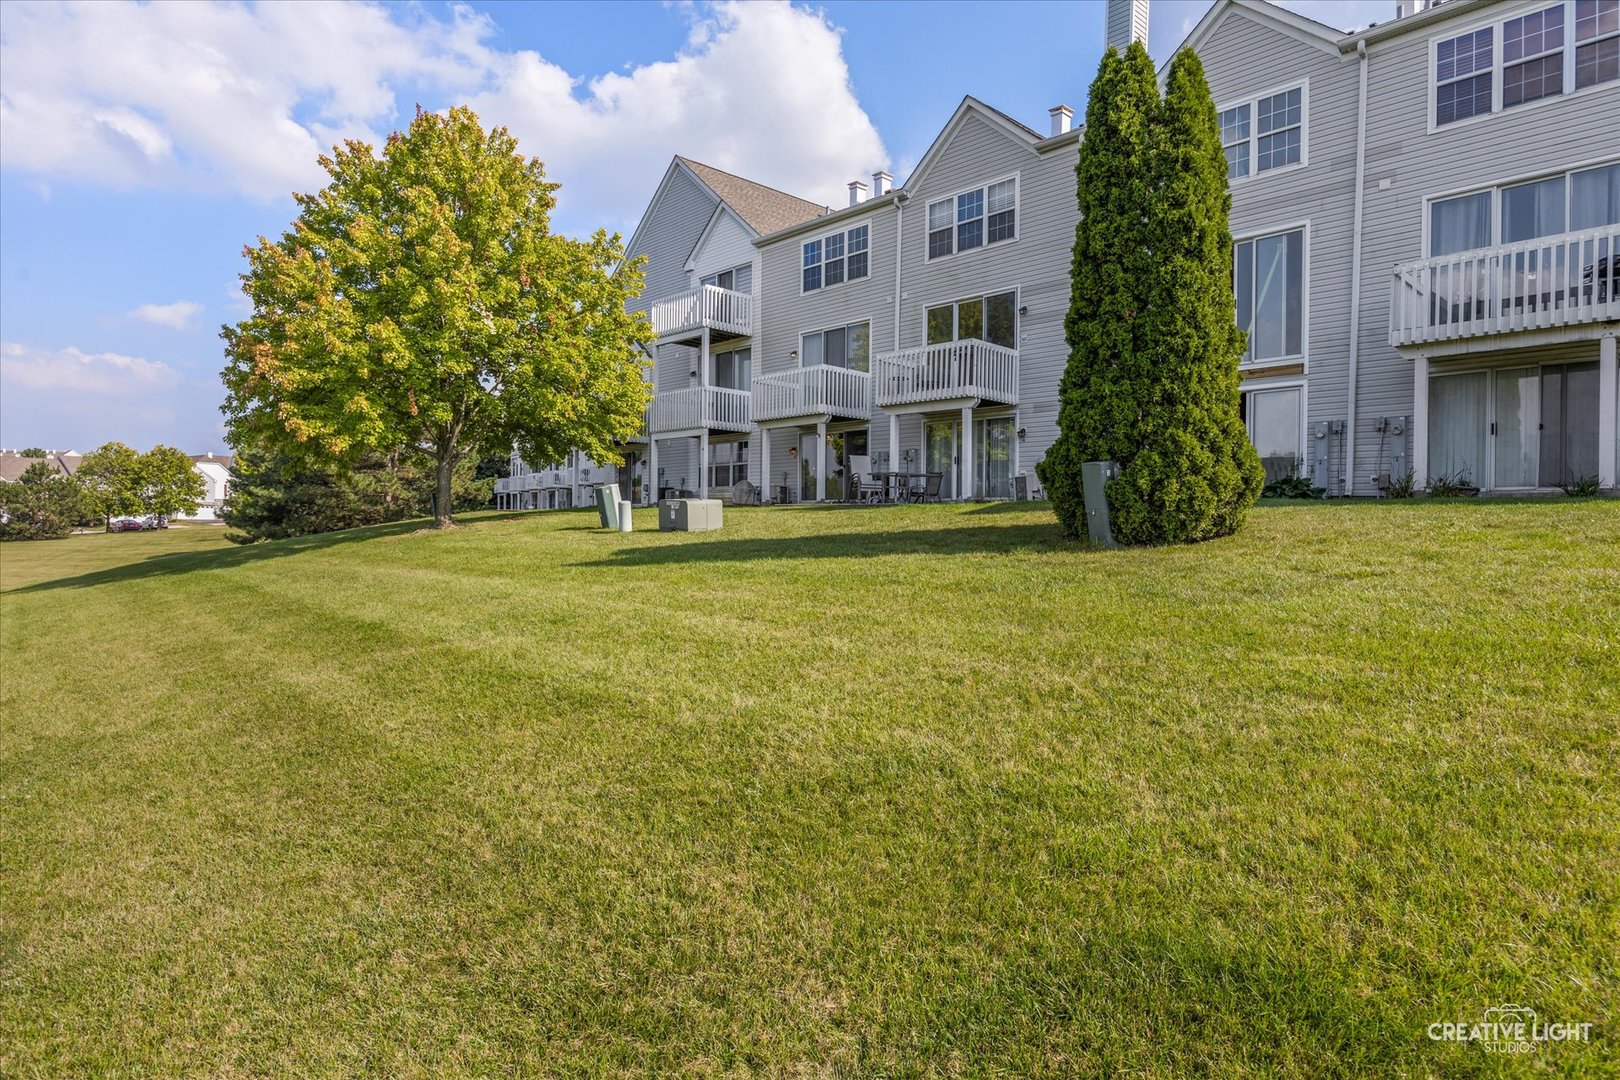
<point>1296,26</point>
<point>971,106</point>
<point>763,209</point>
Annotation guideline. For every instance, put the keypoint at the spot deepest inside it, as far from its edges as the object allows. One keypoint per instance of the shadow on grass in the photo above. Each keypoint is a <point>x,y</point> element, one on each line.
<point>185,562</point>
<point>969,540</point>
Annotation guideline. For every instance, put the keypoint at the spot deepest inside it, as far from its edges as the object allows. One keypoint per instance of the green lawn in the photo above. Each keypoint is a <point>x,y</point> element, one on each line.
<point>899,792</point>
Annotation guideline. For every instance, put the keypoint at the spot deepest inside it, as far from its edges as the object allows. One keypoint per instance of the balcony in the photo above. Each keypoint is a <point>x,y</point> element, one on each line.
<point>948,371</point>
<point>1556,282</point>
<point>819,390</point>
<point>725,314</point>
<point>700,408</point>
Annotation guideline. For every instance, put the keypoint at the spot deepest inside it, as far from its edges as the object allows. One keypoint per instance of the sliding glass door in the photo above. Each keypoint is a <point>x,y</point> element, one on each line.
<point>1515,428</point>
<point>1518,427</point>
<point>993,457</point>
<point>1457,405</point>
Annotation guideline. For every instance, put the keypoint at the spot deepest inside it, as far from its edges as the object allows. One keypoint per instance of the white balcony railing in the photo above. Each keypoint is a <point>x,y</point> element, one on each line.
<point>709,306</point>
<point>817,390</point>
<point>1555,281</point>
<point>714,407</point>
<point>952,369</point>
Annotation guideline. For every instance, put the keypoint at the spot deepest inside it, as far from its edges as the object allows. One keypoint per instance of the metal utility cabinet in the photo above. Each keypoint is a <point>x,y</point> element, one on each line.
<point>689,515</point>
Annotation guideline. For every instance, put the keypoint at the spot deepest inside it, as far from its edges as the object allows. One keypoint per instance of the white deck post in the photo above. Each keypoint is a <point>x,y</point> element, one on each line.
<point>1608,385</point>
<point>652,470</point>
<point>1420,423</point>
<point>821,462</point>
<point>894,442</point>
<point>703,464</point>
<point>966,470</point>
<point>765,495</point>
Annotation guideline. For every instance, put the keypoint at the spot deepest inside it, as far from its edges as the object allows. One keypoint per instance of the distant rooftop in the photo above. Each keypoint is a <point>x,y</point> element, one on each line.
<point>765,209</point>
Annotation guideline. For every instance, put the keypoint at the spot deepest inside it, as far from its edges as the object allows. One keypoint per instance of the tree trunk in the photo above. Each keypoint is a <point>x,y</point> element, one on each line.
<point>441,504</point>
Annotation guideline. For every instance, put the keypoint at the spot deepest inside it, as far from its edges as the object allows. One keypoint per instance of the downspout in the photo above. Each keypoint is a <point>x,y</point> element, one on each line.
<point>899,248</point>
<point>1349,462</point>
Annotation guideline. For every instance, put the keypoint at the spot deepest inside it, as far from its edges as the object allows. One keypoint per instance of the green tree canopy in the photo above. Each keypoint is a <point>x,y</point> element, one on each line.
<point>111,478</point>
<point>42,505</point>
<point>34,451</point>
<point>421,304</point>
<point>1152,379</point>
<point>169,484</point>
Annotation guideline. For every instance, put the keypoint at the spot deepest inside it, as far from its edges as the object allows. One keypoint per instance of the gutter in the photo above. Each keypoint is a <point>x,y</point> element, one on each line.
<point>899,248</point>
<point>1349,463</point>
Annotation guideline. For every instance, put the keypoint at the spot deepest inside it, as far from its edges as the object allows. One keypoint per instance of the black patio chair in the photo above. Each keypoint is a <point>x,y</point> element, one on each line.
<point>929,492</point>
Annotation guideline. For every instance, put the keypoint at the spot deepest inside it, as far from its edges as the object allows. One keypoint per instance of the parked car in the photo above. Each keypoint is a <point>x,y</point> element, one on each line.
<point>138,524</point>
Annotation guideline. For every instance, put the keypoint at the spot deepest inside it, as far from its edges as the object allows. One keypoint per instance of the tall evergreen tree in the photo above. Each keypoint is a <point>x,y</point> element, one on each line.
<point>1155,386</point>
<point>1111,274</point>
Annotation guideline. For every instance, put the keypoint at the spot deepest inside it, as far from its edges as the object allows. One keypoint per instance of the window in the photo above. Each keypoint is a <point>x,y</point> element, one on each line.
<point>732,369</point>
<point>1594,198</point>
<point>1275,138</point>
<point>839,257</point>
<point>1461,224</point>
<point>1462,76</point>
<point>1556,50</point>
<point>842,346</point>
<point>985,318</point>
<point>1533,56</point>
<point>1569,202</point>
<point>971,219</point>
<point>1531,211</point>
<point>728,463</point>
<point>1597,42</point>
<point>737,279</point>
<point>1235,141</point>
<point>1269,282</point>
<point>1274,419</point>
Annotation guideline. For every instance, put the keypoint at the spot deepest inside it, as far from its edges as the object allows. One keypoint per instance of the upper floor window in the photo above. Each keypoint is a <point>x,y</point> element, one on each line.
<point>1269,282</point>
<point>842,346</point>
<point>1265,133</point>
<point>984,318</point>
<point>837,257</point>
<point>732,369</point>
<point>1557,50</point>
<point>971,219</point>
<point>737,279</point>
<point>1567,202</point>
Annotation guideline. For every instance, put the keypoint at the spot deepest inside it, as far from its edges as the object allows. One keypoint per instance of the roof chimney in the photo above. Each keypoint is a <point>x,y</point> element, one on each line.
<point>1061,116</point>
<point>857,192</point>
<point>882,183</point>
<point>1127,22</point>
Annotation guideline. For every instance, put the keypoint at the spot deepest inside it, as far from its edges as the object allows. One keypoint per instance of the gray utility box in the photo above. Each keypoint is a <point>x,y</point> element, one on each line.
<point>688,515</point>
<point>1094,477</point>
<point>607,506</point>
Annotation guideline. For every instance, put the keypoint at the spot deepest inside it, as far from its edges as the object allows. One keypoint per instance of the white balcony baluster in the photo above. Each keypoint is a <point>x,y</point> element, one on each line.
<point>817,390</point>
<point>709,306</point>
<point>951,369</point>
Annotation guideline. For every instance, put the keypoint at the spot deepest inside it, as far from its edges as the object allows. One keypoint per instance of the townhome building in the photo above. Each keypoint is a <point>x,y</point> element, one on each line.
<point>1424,212</point>
<point>558,485</point>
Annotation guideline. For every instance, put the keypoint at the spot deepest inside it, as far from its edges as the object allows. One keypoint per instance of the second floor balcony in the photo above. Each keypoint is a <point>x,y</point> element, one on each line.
<point>949,371</point>
<point>1554,282</point>
<point>699,408</point>
<point>819,390</point>
<point>724,313</point>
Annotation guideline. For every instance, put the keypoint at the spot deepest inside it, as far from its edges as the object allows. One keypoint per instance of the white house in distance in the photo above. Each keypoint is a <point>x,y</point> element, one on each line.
<point>1426,258</point>
<point>215,469</point>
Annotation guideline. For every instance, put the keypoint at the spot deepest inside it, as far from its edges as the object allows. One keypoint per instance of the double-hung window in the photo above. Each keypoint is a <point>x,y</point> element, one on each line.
<point>737,279</point>
<point>1557,49</point>
<point>728,463</point>
<point>1265,133</point>
<point>972,219</point>
<point>1269,283</point>
<point>842,346</point>
<point>837,257</point>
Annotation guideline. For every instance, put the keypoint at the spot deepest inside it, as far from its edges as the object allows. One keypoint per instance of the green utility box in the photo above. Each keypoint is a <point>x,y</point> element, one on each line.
<point>689,515</point>
<point>607,506</point>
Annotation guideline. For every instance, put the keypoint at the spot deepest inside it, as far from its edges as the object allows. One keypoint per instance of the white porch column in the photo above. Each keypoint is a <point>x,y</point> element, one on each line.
<point>765,491</point>
<point>652,470</point>
<point>966,443</point>
<point>894,442</point>
<point>821,462</point>
<point>1608,386</point>
<point>1420,423</point>
<point>573,482</point>
<point>703,464</point>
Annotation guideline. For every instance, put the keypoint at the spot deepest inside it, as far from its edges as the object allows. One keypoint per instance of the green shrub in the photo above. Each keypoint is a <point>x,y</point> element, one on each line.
<point>41,505</point>
<point>1402,487</point>
<point>1581,487</point>
<point>1293,487</point>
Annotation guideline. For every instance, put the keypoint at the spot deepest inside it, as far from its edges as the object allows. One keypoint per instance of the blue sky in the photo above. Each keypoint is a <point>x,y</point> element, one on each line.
<point>141,146</point>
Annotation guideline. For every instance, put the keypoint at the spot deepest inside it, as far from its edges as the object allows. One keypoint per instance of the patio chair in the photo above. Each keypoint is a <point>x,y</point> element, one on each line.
<point>865,489</point>
<point>929,492</point>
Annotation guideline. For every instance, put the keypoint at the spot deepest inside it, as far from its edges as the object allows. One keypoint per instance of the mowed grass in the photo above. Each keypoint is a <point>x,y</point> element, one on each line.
<point>922,791</point>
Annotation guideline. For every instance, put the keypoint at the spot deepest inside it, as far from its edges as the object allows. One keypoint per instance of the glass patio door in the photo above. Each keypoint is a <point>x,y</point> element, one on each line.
<point>993,456</point>
<point>1518,427</point>
<point>1457,427</point>
<point>939,454</point>
<point>1569,423</point>
<point>809,466</point>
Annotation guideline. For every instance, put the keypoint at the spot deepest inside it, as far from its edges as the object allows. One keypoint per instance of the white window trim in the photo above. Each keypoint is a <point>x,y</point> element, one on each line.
<point>1018,217</point>
<point>822,240</point>
<point>1495,190</point>
<point>1304,355</point>
<point>1285,382</point>
<point>871,351</point>
<point>753,274</point>
<point>1496,22</point>
<point>1018,317</point>
<point>1253,102</point>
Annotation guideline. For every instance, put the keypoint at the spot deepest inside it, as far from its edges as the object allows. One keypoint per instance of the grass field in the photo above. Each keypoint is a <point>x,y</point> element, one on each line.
<point>899,792</point>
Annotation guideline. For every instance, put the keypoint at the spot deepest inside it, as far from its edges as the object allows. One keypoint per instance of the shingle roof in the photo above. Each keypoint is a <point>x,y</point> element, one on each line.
<point>765,209</point>
<point>13,464</point>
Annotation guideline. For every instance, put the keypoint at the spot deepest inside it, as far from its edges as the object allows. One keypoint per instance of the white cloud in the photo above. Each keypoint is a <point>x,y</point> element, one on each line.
<point>176,316</point>
<point>72,370</point>
<point>243,99</point>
